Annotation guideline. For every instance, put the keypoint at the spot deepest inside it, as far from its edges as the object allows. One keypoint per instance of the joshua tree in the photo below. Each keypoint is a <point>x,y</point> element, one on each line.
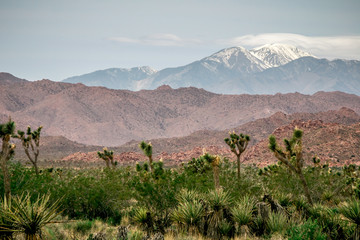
<point>7,151</point>
<point>292,157</point>
<point>107,156</point>
<point>147,149</point>
<point>237,144</point>
<point>215,162</point>
<point>31,141</point>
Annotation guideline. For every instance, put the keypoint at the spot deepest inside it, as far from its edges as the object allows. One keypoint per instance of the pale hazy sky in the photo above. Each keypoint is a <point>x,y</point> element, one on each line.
<point>58,39</point>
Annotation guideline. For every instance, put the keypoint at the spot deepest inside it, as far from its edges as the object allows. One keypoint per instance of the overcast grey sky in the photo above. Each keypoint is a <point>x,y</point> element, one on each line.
<point>58,39</point>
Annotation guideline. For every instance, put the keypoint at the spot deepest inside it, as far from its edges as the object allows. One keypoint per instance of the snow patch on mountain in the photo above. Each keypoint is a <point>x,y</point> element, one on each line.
<point>275,55</point>
<point>234,58</point>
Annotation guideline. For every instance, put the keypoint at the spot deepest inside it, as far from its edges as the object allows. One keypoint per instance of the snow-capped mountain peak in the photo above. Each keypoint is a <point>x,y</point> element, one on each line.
<point>276,55</point>
<point>236,58</point>
<point>146,69</point>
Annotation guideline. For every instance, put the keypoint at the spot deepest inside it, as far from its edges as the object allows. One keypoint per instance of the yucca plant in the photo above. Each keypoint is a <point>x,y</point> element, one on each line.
<point>6,227</point>
<point>277,223</point>
<point>30,217</point>
<point>187,195</point>
<point>242,212</point>
<point>302,205</point>
<point>351,211</point>
<point>219,199</point>
<point>284,199</point>
<point>225,228</point>
<point>143,218</point>
<point>189,214</point>
<point>218,209</point>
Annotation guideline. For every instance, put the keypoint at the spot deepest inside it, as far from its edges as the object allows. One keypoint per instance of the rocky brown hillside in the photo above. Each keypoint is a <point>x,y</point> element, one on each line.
<point>257,129</point>
<point>101,116</point>
<point>333,143</point>
<point>177,150</point>
<point>55,148</point>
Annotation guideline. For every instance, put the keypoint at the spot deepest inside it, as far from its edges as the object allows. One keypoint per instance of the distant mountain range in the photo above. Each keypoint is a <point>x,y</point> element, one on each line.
<point>268,69</point>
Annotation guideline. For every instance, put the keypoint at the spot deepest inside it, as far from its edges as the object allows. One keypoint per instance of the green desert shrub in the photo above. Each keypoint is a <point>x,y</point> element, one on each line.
<point>309,230</point>
<point>84,227</point>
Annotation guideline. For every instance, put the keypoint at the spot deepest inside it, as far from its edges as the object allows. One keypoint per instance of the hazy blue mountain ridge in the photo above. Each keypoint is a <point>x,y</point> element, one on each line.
<point>116,78</point>
<point>264,70</point>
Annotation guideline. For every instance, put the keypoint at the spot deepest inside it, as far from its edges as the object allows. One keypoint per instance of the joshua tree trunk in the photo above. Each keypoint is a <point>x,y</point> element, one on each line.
<point>306,188</point>
<point>4,158</point>
<point>216,172</point>
<point>151,163</point>
<point>33,160</point>
<point>6,175</point>
<point>112,163</point>
<point>7,151</point>
<point>216,177</point>
<point>238,166</point>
